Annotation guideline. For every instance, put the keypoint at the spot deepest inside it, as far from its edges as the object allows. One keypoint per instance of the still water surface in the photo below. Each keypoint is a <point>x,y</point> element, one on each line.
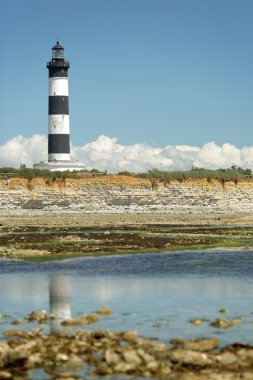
<point>154,293</point>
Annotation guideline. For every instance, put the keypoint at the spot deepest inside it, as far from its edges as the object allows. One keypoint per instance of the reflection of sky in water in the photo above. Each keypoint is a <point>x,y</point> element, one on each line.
<point>155,294</point>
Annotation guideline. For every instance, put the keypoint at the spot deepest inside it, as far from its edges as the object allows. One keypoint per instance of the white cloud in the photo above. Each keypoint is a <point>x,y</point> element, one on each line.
<point>106,153</point>
<point>23,150</point>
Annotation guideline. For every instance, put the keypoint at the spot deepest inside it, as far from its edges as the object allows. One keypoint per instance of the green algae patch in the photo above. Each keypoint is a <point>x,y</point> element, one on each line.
<point>60,243</point>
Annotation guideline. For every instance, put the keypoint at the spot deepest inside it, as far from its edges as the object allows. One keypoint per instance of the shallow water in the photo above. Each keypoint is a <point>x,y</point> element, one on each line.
<point>154,293</point>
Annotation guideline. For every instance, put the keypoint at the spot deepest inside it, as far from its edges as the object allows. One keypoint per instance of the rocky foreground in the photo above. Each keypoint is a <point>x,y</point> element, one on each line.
<point>83,353</point>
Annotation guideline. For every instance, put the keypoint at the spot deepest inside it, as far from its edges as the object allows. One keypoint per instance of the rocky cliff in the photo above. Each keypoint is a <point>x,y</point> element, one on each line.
<point>125,194</point>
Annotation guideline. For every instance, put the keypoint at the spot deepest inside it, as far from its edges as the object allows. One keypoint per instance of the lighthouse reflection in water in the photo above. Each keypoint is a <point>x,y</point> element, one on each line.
<point>60,301</point>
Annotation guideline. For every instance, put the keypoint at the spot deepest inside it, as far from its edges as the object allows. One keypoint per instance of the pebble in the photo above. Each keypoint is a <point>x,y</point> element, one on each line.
<point>190,357</point>
<point>197,344</point>
<point>224,323</point>
<point>105,311</point>
<point>223,311</point>
<point>18,322</point>
<point>40,316</point>
<point>5,375</point>
<point>197,321</point>
<point>85,319</point>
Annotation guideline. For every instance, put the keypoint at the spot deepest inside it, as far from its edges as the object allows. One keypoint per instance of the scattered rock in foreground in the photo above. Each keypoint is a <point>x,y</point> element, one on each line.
<point>108,353</point>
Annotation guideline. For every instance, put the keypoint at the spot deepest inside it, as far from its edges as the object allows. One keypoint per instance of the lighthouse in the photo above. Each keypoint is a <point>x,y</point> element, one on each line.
<point>58,106</point>
<point>59,157</point>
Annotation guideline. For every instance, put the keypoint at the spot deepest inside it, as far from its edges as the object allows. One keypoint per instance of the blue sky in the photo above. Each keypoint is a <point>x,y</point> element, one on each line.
<point>159,72</point>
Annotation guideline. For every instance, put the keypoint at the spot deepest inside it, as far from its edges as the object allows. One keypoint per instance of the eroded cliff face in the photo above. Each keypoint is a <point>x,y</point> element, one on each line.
<point>124,194</point>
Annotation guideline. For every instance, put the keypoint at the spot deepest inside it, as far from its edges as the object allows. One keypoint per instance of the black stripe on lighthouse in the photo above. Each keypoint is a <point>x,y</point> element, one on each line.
<point>58,143</point>
<point>58,105</point>
<point>58,72</point>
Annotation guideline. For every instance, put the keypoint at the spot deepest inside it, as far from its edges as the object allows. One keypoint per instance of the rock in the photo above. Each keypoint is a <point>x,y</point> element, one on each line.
<point>246,355</point>
<point>224,323</point>
<point>22,351</point>
<point>4,346</point>
<point>103,369</point>
<point>226,359</point>
<point>61,357</point>
<point>189,357</point>
<point>223,311</point>
<point>105,311</point>
<point>145,356</point>
<point>5,375</point>
<point>38,316</point>
<point>74,361</point>
<point>34,360</point>
<point>197,321</point>
<point>123,367</point>
<point>14,333</point>
<point>18,322</point>
<point>197,344</point>
<point>130,335</point>
<point>85,319</point>
<point>132,357</point>
<point>153,365</point>
<point>111,357</point>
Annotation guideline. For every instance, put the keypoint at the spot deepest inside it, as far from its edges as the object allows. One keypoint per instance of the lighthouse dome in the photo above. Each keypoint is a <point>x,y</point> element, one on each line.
<point>58,46</point>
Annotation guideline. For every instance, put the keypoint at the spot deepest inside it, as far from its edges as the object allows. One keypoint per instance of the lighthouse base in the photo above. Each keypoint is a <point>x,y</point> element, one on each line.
<point>59,166</point>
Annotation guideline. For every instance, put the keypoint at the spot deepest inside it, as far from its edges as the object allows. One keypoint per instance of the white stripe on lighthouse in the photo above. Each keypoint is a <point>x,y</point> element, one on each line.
<point>58,86</point>
<point>58,124</point>
<point>58,157</point>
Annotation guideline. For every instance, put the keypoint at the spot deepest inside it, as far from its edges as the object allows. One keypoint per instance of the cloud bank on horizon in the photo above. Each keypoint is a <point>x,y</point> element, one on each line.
<point>106,153</point>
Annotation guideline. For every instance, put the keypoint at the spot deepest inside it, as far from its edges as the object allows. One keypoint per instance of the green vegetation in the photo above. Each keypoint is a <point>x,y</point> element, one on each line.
<point>232,174</point>
<point>30,173</point>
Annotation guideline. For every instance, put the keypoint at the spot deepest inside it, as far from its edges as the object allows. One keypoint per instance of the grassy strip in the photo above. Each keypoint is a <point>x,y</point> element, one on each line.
<point>200,247</point>
<point>229,174</point>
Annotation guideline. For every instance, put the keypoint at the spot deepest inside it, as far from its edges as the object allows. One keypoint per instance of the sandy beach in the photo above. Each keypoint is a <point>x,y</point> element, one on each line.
<point>18,219</point>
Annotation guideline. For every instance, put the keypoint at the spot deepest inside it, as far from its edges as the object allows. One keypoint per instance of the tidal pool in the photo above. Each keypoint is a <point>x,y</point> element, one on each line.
<point>156,294</point>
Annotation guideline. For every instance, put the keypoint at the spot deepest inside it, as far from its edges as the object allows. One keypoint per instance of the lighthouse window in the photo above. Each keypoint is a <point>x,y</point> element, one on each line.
<point>58,53</point>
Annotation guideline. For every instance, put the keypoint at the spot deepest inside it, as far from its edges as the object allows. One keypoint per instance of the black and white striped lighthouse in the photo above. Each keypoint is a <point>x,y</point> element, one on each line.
<point>58,106</point>
<point>58,115</point>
